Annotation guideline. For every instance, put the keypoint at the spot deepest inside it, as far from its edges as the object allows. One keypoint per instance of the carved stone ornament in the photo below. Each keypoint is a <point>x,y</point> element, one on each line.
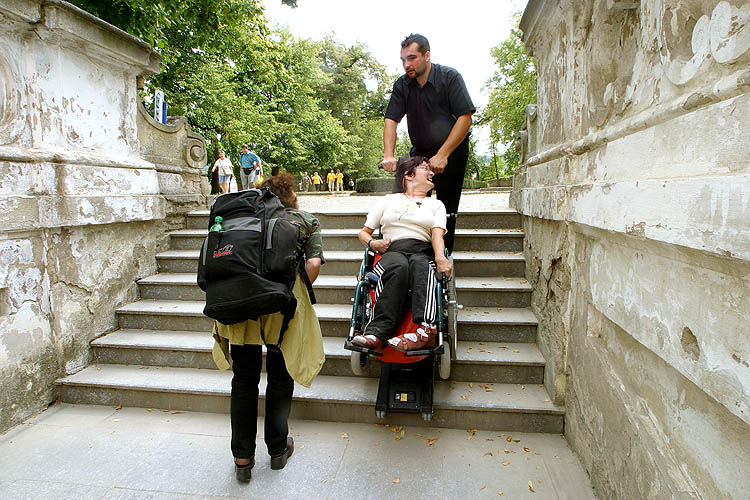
<point>194,152</point>
<point>724,37</point>
<point>12,103</point>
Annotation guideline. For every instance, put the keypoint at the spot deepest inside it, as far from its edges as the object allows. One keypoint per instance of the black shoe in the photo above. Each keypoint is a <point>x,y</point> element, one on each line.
<point>279,461</point>
<point>243,472</point>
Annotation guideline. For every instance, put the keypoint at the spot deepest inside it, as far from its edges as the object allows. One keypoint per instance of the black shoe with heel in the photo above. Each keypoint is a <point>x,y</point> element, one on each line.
<point>279,461</point>
<point>243,472</point>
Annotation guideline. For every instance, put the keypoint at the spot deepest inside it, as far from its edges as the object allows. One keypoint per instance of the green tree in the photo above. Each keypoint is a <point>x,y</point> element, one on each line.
<point>512,87</point>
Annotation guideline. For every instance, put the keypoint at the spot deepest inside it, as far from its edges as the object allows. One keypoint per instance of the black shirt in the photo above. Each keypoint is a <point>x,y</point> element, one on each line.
<point>431,110</point>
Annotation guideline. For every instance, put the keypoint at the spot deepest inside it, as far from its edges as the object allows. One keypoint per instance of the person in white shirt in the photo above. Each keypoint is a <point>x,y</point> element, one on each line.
<point>226,172</point>
<point>413,249</point>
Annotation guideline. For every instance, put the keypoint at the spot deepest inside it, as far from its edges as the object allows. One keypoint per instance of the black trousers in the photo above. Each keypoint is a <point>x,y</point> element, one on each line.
<point>407,265</point>
<point>246,365</point>
<point>448,185</point>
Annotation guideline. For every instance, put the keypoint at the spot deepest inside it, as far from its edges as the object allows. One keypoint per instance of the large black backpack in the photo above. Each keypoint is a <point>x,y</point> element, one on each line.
<point>249,269</point>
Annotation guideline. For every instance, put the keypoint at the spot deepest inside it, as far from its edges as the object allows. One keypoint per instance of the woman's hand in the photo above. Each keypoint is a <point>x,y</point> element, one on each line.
<point>443,265</point>
<point>380,246</point>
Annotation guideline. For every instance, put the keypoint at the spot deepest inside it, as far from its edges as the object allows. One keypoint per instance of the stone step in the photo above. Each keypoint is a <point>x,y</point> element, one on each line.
<point>488,361</point>
<point>347,262</point>
<point>510,407</point>
<point>482,240</point>
<point>498,292</point>
<point>483,324</point>
<point>356,219</point>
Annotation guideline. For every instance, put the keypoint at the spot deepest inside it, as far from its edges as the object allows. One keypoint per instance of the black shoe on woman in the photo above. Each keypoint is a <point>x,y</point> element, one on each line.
<point>243,472</point>
<point>279,461</point>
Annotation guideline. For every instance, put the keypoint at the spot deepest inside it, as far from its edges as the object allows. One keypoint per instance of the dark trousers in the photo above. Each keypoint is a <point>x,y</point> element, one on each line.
<point>246,365</point>
<point>407,265</point>
<point>448,185</point>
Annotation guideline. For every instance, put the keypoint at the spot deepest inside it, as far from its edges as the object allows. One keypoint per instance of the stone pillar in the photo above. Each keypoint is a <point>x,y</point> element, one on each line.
<point>82,213</point>
<point>636,205</point>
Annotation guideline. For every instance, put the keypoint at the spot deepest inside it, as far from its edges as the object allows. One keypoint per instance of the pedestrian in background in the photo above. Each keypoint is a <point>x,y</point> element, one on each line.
<point>305,182</point>
<point>339,180</point>
<point>317,181</point>
<point>331,180</point>
<point>226,171</point>
<point>250,168</point>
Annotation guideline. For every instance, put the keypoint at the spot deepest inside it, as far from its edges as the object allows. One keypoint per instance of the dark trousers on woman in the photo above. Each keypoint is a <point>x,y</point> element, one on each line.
<point>407,265</point>
<point>246,365</point>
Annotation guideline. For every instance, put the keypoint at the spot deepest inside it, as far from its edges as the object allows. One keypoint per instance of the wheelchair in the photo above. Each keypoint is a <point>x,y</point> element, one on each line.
<point>406,378</point>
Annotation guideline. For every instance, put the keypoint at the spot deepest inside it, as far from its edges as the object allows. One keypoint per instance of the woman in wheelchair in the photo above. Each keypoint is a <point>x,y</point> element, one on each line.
<point>413,251</point>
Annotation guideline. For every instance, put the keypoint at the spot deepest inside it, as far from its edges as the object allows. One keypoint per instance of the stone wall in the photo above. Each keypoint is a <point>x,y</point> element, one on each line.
<point>635,191</point>
<point>82,213</point>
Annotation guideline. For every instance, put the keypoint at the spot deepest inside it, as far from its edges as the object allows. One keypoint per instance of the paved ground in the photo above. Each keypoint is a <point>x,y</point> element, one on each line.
<point>471,201</point>
<point>96,452</point>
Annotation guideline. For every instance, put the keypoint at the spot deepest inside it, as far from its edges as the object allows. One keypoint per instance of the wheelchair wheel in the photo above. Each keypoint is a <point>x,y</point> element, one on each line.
<point>444,367</point>
<point>356,365</point>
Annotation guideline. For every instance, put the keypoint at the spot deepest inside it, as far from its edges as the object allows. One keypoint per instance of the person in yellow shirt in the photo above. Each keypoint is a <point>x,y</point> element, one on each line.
<point>317,181</point>
<point>331,180</point>
<point>339,180</point>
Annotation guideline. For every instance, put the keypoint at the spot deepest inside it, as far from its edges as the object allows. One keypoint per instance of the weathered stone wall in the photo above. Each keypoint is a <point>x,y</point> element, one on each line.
<point>635,187</point>
<point>82,213</point>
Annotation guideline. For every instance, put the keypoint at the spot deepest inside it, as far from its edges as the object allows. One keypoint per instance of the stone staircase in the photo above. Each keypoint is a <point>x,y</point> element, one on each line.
<point>161,355</point>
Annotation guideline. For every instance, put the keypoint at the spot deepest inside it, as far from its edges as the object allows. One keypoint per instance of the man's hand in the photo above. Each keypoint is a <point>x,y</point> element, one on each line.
<point>443,265</point>
<point>380,246</point>
<point>389,164</point>
<point>438,163</point>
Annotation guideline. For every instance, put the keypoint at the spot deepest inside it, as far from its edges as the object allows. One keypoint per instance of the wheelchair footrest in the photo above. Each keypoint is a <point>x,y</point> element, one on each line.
<point>426,352</point>
<point>352,347</point>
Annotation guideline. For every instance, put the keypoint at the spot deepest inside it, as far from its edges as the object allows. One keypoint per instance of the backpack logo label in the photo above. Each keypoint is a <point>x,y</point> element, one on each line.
<point>221,252</point>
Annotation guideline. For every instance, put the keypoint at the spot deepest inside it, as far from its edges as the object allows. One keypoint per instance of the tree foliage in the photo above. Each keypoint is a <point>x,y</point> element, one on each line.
<point>301,104</point>
<point>512,87</point>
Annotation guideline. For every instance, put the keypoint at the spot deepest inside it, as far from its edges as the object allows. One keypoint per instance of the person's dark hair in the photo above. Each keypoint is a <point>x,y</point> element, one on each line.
<point>406,166</point>
<point>282,185</point>
<point>423,45</point>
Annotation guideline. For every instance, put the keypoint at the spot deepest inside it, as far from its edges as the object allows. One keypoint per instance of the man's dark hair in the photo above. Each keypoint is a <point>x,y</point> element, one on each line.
<point>406,166</point>
<point>423,45</point>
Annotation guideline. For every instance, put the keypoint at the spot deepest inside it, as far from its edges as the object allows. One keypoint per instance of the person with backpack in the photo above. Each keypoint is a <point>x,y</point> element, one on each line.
<point>294,352</point>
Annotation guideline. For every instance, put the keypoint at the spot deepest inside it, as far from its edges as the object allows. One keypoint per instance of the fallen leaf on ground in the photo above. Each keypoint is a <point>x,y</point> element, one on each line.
<point>509,439</point>
<point>516,440</point>
<point>488,389</point>
<point>375,443</point>
<point>379,425</point>
<point>472,431</point>
<point>481,343</point>
<point>526,450</point>
<point>523,282</point>
<point>397,428</point>
<point>471,384</point>
<point>400,435</point>
<point>177,412</point>
<point>488,453</point>
<point>324,480</point>
<point>31,423</point>
<point>501,493</point>
<point>465,396</point>
<point>119,407</point>
<point>516,350</point>
<point>301,446</point>
<point>531,487</point>
<point>149,409</point>
<point>506,451</point>
<point>506,463</point>
<point>396,481</point>
<point>483,488</point>
<point>344,435</point>
<point>499,309</point>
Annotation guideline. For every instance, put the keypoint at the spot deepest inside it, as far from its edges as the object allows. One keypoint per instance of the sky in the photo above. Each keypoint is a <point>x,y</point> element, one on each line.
<point>461,32</point>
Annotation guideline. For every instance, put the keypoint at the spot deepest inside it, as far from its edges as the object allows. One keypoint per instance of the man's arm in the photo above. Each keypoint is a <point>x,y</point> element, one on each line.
<point>457,135</point>
<point>389,145</point>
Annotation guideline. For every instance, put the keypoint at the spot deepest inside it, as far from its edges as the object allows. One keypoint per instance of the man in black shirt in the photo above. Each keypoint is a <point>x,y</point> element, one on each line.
<point>438,110</point>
